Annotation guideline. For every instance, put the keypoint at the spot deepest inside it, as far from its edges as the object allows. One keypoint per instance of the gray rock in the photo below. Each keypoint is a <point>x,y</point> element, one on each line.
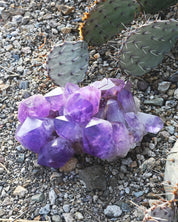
<point>78,216</point>
<point>25,20</point>
<point>112,211</point>
<point>1,170</point>
<point>163,86</point>
<point>127,190</point>
<point>1,212</point>
<point>52,196</point>
<point>20,158</point>
<point>20,69</point>
<point>66,208</point>
<point>56,218</point>
<point>38,197</point>
<point>139,194</point>
<point>174,78</point>
<point>176,94</point>
<point>154,102</point>
<point>45,210</point>
<point>171,129</point>
<point>142,85</point>
<point>17,18</point>
<point>24,85</point>
<point>67,217</point>
<point>20,191</point>
<point>94,177</point>
<point>124,206</point>
<point>148,164</point>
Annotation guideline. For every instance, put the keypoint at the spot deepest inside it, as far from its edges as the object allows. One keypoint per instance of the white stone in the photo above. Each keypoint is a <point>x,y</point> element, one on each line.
<point>52,196</point>
<point>176,94</point>
<point>78,216</point>
<point>20,191</point>
<point>113,211</point>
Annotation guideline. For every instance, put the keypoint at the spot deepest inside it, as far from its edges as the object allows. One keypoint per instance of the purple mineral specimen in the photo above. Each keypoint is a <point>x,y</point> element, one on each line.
<point>67,129</point>
<point>70,88</point>
<point>114,112</point>
<point>102,119</point>
<point>122,139</point>
<point>55,153</point>
<point>127,101</point>
<point>35,133</point>
<point>135,126</point>
<point>153,124</point>
<point>82,105</point>
<point>97,139</point>
<point>34,106</point>
<point>55,98</point>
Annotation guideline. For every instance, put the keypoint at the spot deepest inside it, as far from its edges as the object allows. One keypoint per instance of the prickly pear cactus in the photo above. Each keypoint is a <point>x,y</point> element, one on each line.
<point>162,212</point>
<point>171,173</point>
<point>145,48</point>
<point>153,6</point>
<point>106,19</point>
<point>68,62</point>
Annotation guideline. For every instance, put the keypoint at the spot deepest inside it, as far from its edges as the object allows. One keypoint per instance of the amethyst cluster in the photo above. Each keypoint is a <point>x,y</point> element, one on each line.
<point>101,119</point>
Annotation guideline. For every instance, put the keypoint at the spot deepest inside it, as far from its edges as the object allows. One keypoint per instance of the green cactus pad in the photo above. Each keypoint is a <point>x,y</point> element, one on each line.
<point>145,48</point>
<point>68,62</point>
<point>106,19</point>
<point>153,6</point>
<point>165,211</point>
<point>171,172</point>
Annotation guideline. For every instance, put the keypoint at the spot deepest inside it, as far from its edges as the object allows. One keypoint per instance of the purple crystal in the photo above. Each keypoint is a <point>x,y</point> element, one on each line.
<point>35,133</point>
<point>70,88</point>
<point>153,124</point>
<point>67,129</point>
<point>127,101</point>
<point>93,95</point>
<point>82,105</point>
<point>135,126</point>
<point>122,139</point>
<point>55,98</point>
<point>78,110</point>
<point>109,87</point>
<point>34,106</point>
<point>55,153</point>
<point>114,112</point>
<point>97,139</point>
<point>101,119</point>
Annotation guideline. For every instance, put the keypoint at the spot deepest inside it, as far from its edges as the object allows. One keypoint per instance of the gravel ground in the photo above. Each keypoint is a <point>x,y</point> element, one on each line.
<point>88,189</point>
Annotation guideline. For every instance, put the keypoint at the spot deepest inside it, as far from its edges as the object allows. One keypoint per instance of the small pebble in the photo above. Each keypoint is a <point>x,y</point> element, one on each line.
<point>112,211</point>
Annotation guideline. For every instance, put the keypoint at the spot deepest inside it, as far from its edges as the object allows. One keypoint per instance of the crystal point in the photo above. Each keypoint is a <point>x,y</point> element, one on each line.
<point>55,98</point>
<point>35,106</point>
<point>97,138</point>
<point>68,129</point>
<point>35,133</point>
<point>55,153</point>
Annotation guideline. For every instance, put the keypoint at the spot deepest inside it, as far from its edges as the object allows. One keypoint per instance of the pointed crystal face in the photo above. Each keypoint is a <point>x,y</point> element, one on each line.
<point>114,112</point>
<point>35,106</point>
<point>122,139</point>
<point>70,88</point>
<point>35,133</point>
<point>135,126</point>
<point>127,101</point>
<point>97,139</point>
<point>78,110</point>
<point>55,98</point>
<point>109,87</point>
<point>67,129</point>
<point>55,153</point>
<point>153,124</point>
